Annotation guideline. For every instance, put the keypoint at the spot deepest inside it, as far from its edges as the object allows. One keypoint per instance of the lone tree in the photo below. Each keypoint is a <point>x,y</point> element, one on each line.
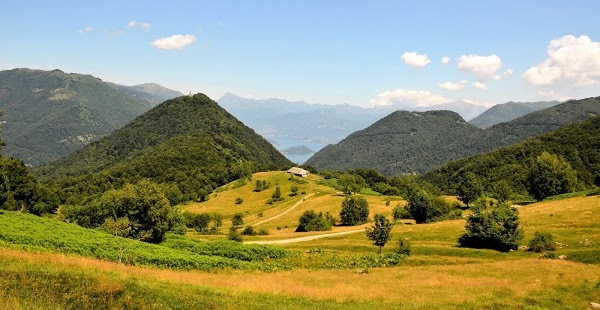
<point>380,232</point>
<point>469,189</point>
<point>496,228</point>
<point>355,211</point>
<point>237,220</point>
<point>550,175</point>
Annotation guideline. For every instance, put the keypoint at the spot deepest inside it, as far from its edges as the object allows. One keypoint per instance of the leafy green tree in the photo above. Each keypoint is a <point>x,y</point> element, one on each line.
<point>237,220</point>
<point>347,182</point>
<point>502,190</point>
<point>277,193</point>
<point>424,208</point>
<point>542,241</point>
<point>496,228</point>
<point>201,222</point>
<point>120,227</point>
<point>218,221</point>
<point>470,189</point>
<point>249,231</point>
<point>380,232</point>
<point>551,175</point>
<point>234,235</point>
<point>400,212</point>
<point>311,221</point>
<point>355,211</point>
<point>293,190</point>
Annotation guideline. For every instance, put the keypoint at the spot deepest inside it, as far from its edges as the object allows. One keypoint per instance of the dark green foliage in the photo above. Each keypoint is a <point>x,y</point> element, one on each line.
<point>380,232</point>
<point>249,231</point>
<point>189,141</point>
<point>424,208</point>
<point>550,175</point>
<point>406,142</point>
<point>350,183</point>
<point>403,246</point>
<point>50,114</point>
<point>19,189</point>
<point>501,191</point>
<point>508,111</point>
<point>401,212</point>
<point>578,144</point>
<point>469,189</point>
<point>237,219</point>
<point>542,241</point>
<point>276,196</point>
<point>201,222</point>
<point>496,228</point>
<point>311,221</point>
<point>293,190</point>
<point>355,211</point>
<point>260,185</point>
<point>234,235</point>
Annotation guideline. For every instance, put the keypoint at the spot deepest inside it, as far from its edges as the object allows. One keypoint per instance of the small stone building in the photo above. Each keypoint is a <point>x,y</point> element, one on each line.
<point>298,172</point>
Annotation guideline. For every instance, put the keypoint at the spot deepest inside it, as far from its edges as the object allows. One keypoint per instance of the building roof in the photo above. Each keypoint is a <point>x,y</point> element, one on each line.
<point>296,170</point>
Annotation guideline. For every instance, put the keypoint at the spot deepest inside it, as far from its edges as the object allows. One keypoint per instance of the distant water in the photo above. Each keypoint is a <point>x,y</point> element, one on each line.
<point>284,143</point>
<point>298,158</point>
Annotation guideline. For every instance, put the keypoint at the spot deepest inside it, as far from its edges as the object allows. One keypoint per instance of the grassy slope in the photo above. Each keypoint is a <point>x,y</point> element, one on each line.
<point>437,275</point>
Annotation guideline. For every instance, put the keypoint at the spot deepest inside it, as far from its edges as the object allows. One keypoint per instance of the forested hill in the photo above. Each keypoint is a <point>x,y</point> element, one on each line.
<point>549,119</point>
<point>49,114</point>
<point>506,112</point>
<point>405,142</point>
<point>188,141</point>
<point>578,144</point>
<point>418,142</point>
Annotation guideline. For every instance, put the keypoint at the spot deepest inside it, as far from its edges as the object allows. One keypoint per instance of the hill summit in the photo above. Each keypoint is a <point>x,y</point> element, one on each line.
<point>188,141</point>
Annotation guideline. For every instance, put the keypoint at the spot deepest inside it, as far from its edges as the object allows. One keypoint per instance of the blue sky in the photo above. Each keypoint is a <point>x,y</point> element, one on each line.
<point>359,52</point>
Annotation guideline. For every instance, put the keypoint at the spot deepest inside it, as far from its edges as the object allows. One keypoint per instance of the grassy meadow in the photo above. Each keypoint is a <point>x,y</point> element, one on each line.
<point>47,264</point>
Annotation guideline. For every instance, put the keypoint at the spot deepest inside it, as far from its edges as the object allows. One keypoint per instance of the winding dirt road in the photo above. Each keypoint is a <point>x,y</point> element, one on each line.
<point>307,238</point>
<point>284,212</point>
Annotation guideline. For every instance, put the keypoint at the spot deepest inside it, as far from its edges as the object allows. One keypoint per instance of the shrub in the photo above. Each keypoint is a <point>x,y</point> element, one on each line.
<point>263,232</point>
<point>355,211</point>
<point>311,221</point>
<point>496,229</point>
<point>294,190</point>
<point>542,241</point>
<point>248,231</point>
<point>400,212</point>
<point>239,200</point>
<point>403,246</point>
<point>238,219</point>
<point>260,185</point>
<point>234,235</point>
<point>425,209</point>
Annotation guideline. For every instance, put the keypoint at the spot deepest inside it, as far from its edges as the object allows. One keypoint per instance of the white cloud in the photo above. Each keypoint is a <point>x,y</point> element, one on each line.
<point>415,60</point>
<point>553,96</point>
<point>86,29</point>
<point>412,98</point>
<point>445,60</point>
<point>453,86</point>
<point>484,67</point>
<point>143,25</point>
<point>480,85</point>
<point>175,42</point>
<point>570,59</point>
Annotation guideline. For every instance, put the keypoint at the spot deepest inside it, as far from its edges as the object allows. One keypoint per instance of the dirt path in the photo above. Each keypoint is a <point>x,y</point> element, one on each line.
<point>284,212</point>
<point>307,238</point>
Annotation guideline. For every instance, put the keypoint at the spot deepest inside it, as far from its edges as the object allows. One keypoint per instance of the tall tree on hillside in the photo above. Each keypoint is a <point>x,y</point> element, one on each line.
<point>380,232</point>
<point>551,175</point>
<point>469,189</point>
<point>355,211</point>
<point>497,228</point>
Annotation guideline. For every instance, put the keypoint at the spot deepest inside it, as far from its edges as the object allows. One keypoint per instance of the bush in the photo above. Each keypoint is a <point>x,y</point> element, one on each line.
<point>425,209</point>
<point>542,241</point>
<point>355,211</point>
<point>294,190</point>
<point>238,219</point>
<point>401,212</point>
<point>496,229</point>
<point>263,232</point>
<point>311,221</point>
<point>403,246</point>
<point>234,235</point>
<point>249,231</point>
<point>239,200</point>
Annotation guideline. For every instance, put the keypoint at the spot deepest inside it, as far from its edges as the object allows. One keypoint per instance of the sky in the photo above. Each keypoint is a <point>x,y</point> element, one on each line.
<point>365,53</point>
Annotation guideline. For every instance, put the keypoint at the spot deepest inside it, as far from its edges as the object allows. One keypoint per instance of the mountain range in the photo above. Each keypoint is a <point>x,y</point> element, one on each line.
<point>508,111</point>
<point>48,114</point>
<point>406,142</point>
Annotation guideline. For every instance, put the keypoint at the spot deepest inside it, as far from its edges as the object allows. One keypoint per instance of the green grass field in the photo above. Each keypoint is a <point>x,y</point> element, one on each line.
<point>47,264</point>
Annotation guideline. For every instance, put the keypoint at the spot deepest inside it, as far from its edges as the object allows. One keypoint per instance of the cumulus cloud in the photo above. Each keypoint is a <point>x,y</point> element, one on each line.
<point>480,85</point>
<point>453,86</point>
<point>415,60</point>
<point>484,67</point>
<point>143,25</point>
<point>445,60</point>
<point>570,59</point>
<point>175,42</point>
<point>413,98</point>
<point>86,29</point>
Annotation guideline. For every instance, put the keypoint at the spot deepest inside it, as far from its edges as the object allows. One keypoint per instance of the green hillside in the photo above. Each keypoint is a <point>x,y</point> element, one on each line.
<point>405,142</point>
<point>505,112</point>
<point>49,114</point>
<point>578,144</point>
<point>188,141</point>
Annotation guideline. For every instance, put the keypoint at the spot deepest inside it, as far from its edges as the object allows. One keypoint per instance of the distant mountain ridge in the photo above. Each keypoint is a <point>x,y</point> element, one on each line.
<point>405,142</point>
<point>505,112</point>
<point>189,142</point>
<point>151,93</point>
<point>49,114</point>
